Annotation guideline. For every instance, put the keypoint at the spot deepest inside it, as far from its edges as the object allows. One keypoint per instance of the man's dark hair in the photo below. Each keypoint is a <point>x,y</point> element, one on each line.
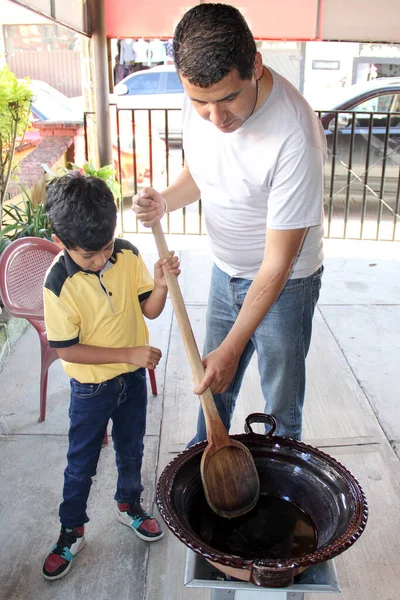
<point>82,211</point>
<point>210,41</point>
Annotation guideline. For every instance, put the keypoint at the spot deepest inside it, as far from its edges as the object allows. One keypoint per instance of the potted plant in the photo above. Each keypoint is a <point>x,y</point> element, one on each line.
<point>24,219</point>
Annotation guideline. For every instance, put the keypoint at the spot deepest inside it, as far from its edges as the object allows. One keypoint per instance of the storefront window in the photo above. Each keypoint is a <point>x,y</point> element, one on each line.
<point>39,38</point>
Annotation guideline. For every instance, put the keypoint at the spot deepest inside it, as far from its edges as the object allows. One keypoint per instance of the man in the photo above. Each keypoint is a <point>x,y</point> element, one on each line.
<point>254,154</point>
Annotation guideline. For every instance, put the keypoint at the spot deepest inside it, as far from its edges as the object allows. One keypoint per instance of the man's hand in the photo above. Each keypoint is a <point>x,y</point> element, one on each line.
<point>149,206</point>
<point>144,356</point>
<point>220,368</point>
<point>171,264</point>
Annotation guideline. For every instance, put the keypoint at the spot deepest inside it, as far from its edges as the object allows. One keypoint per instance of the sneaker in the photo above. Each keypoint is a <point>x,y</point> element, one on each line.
<point>59,561</point>
<point>143,523</point>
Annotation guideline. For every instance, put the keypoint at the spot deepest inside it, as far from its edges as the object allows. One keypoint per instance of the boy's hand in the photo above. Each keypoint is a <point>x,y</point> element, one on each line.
<point>171,264</point>
<point>144,356</point>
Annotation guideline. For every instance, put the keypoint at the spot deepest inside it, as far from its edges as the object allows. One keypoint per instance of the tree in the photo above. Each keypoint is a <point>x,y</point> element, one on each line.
<point>15,101</point>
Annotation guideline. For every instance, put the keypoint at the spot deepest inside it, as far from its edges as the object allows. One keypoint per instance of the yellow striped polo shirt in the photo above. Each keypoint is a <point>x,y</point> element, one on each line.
<point>97,308</point>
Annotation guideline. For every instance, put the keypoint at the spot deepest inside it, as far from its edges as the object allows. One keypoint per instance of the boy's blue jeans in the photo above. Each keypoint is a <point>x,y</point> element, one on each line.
<point>124,400</point>
<point>281,340</point>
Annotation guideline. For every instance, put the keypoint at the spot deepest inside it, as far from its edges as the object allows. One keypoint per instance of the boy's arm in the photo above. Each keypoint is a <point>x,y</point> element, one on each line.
<point>153,306</point>
<point>141,356</point>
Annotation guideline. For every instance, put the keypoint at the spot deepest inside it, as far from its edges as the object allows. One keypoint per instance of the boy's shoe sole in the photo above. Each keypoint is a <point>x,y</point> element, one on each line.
<point>67,569</point>
<point>127,520</point>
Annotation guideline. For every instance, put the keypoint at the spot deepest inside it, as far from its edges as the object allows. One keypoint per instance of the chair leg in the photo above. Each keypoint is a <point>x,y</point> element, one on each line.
<point>47,357</point>
<point>44,369</point>
<point>105,440</point>
<point>153,382</point>
<point>43,394</point>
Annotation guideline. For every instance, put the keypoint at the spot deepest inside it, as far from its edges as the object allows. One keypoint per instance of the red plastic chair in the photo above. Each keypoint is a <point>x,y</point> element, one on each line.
<point>23,266</point>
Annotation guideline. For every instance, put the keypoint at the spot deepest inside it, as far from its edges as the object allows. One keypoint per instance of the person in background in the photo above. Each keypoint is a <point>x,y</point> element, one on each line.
<point>254,153</point>
<point>96,295</point>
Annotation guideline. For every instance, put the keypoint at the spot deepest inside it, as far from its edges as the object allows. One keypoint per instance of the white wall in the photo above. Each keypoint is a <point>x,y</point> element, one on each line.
<point>319,84</point>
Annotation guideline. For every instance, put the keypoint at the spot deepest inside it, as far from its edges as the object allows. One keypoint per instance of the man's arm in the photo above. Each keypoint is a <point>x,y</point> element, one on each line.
<point>182,192</point>
<point>281,250</point>
<point>150,206</point>
<point>141,356</point>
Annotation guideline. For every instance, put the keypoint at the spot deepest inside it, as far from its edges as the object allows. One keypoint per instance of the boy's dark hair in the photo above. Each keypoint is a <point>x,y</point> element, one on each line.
<point>82,211</point>
<point>210,41</point>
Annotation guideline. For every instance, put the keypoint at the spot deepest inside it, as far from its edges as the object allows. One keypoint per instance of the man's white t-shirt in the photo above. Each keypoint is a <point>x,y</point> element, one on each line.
<point>266,174</point>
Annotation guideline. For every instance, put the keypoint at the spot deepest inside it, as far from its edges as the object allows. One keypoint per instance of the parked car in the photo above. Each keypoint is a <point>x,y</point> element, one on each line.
<point>158,88</point>
<point>51,105</point>
<point>370,105</point>
<point>362,128</point>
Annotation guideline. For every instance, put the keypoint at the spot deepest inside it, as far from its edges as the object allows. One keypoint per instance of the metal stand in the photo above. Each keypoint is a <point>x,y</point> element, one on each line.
<point>199,573</point>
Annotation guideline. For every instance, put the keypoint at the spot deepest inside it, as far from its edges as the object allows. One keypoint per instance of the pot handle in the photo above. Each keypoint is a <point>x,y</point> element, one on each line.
<point>260,418</point>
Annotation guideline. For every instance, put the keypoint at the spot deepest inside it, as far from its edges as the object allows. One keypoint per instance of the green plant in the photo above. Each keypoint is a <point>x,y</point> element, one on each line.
<point>105,173</point>
<point>15,101</point>
<point>24,219</point>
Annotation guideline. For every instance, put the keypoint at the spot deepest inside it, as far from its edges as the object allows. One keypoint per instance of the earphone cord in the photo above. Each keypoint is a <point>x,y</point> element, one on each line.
<point>258,91</point>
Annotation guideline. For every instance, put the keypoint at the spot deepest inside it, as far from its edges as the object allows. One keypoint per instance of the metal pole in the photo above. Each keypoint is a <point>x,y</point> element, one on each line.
<point>101,82</point>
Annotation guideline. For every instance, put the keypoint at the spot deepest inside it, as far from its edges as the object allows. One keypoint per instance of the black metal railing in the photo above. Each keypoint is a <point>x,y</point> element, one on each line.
<point>362,174</point>
<point>361,180</point>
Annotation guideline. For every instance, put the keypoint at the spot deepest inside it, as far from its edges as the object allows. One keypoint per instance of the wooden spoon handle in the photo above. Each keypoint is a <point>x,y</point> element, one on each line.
<point>214,425</point>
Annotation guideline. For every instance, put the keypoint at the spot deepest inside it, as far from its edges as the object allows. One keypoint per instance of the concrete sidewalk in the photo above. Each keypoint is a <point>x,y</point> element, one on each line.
<point>351,411</point>
<point>360,302</point>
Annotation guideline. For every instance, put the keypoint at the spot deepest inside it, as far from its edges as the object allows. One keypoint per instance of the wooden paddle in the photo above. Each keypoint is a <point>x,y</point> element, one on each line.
<point>229,475</point>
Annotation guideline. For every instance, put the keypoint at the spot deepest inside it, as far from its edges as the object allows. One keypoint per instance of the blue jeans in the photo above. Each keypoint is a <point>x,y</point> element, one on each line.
<point>281,340</point>
<point>124,401</point>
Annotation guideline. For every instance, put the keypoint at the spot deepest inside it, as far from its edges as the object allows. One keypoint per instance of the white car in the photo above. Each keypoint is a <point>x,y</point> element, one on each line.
<point>48,104</point>
<point>158,88</point>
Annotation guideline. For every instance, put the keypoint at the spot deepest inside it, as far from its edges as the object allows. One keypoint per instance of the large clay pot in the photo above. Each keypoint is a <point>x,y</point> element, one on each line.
<point>310,480</point>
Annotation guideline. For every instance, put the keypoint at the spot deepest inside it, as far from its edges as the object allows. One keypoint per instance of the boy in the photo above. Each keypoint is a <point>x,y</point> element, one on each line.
<point>95,296</point>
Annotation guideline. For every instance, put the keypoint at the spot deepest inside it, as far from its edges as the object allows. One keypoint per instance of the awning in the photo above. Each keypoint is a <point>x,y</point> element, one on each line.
<point>270,19</point>
<point>336,20</point>
<point>144,18</point>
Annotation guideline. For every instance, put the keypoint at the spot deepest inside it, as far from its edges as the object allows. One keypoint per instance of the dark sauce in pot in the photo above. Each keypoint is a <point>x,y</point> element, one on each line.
<point>274,529</point>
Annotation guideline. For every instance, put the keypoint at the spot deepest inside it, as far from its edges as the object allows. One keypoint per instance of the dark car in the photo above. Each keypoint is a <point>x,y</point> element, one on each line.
<point>363,136</point>
<point>366,115</point>
<point>372,110</point>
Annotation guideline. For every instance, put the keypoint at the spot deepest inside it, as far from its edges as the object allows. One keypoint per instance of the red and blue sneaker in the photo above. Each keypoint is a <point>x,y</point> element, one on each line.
<point>59,561</point>
<point>143,523</point>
